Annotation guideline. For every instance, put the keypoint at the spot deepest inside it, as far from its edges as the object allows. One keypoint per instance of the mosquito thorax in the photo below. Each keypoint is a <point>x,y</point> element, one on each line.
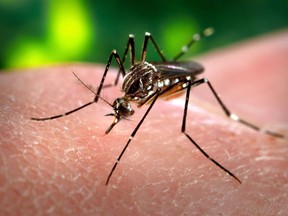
<point>140,82</point>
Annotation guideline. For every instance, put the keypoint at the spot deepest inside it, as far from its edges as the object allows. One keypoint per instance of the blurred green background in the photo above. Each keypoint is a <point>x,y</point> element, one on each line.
<point>41,32</point>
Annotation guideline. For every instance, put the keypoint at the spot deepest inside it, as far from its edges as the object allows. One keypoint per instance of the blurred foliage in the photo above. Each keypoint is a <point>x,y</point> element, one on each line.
<point>41,32</point>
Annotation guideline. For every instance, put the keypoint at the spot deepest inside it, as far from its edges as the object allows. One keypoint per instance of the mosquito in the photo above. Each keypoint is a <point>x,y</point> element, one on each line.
<point>145,82</point>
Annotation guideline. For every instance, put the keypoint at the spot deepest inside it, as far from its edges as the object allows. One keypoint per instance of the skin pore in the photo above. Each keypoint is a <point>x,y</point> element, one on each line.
<point>60,166</point>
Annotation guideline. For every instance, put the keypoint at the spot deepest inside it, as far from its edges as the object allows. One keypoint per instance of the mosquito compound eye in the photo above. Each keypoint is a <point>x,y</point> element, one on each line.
<point>125,110</point>
<point>122,107</point>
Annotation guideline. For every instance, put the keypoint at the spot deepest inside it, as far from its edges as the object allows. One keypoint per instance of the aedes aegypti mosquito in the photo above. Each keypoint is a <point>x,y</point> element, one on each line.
<point>145,82</point>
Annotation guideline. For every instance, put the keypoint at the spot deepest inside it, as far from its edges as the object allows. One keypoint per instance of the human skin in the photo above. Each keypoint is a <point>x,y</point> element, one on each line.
<point>60,166</point>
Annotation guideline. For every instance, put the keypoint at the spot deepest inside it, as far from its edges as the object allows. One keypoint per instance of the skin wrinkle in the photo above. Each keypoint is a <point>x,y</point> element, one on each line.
<point>168,172</point>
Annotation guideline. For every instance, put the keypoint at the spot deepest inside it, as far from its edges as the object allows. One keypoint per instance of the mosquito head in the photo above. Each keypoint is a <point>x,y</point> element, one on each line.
<point>122,109</point>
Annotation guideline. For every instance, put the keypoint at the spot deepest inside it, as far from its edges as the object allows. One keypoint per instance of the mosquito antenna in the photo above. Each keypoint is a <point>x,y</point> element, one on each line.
<point>196,37</point>
<point>90,89</point>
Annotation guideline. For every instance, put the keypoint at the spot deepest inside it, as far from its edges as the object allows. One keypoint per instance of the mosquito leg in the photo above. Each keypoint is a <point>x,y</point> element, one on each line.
<point>130,46</point>
<point>196,37</point>
<point>144,50</point>
<point>72,111</point>
<point>132,136</point>
<point>62,115</point>
<point>97,95</point>
<point>230,114</point>
<point>183,130</point>
<point>114,54</point>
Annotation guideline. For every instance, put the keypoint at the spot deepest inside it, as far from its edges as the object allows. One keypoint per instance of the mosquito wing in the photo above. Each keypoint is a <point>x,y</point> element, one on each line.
<point>170,73</point>
<point>178,70</point>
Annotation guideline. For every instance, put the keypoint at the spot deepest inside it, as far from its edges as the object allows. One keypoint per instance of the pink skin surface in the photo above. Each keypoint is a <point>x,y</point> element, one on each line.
<point>60,166</point>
